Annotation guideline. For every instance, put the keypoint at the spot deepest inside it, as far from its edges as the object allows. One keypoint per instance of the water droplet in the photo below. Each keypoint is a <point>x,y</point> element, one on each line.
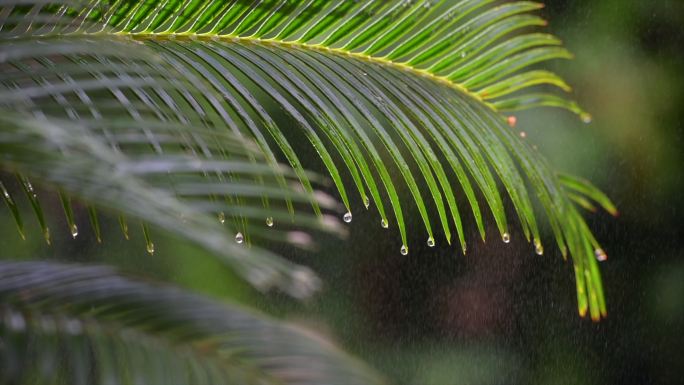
<point>463,54</point>
<point>384,224</point>
<point>239,238</point>
<point>586,117</point>
<point>222,217</point>
<point>506,237</point>
<point>403,250</point>
<point>512,120</point>
<point>538,248</point>
<point>523,134</point>
<point>269,221</point>
<point>74,231</point>
<point>600,255</point>
<point>431,242</point>
<point>347,217</point>
<point>366,202</point>
<point>150,248</point>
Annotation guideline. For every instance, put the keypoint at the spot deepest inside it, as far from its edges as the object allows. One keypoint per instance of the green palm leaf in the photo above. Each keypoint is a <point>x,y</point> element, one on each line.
<point>72,324</point>
<point>398,94</point>
<point>76,160</point>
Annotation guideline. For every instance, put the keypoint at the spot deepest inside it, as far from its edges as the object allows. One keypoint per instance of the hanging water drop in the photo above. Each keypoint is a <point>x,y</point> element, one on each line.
<point>585,117</point>
<point>384,224</point>
<point>239,238</point>
<point>366,202</point>
<point>600,255</point>
<point>150,248</point>
<point>431,242</point>
<point>222,217</point>
<point>46,235</point>
<point>347,217</point>
<point>74,231</point>
<point>269,221</point>
<point>538,248</point>
<point>523,134</point>
<point>403,250</point>
<point>506,237</point>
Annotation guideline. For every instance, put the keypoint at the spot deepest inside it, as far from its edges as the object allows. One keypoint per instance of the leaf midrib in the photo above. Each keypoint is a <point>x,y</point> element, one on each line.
<point>142,36</point>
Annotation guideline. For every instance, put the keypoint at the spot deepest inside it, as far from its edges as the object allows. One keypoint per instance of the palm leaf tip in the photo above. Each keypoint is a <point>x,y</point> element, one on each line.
<point>84,324</point>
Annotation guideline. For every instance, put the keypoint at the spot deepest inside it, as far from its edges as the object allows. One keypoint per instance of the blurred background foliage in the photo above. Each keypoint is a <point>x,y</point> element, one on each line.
<point>501,314</point>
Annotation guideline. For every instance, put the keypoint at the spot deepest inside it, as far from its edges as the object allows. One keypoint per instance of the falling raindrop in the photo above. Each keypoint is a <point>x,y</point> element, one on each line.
<point>431,242</point>
<point>347,217</point>
<point>74,231</point>
<point>404,250</point>
<point>506,237</point>
<point>239,238</point>
<point>269,221</point>
<point>222,217</point>
<point>150,248</point>
<point>384,224</point>
<point>538,248</point>
<point>600,255</point>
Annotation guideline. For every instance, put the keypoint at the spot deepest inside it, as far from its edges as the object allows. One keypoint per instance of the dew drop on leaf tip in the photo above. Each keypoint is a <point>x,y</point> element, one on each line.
<point>600,255</point>
<point>269,221</point>
<point>404,250</point>
<point>239,238</point>
<point>431,242</point>
<point>384,224</point>
<point>74,231</point>
<point>347,217</point>
<point>150,248</point>
<point>538,248</point>
<point>506,237</point>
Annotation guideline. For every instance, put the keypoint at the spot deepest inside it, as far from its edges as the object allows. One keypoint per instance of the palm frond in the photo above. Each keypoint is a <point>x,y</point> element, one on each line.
<point>75,159</point>
<point>420,83</point>
<point>73,324</point>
